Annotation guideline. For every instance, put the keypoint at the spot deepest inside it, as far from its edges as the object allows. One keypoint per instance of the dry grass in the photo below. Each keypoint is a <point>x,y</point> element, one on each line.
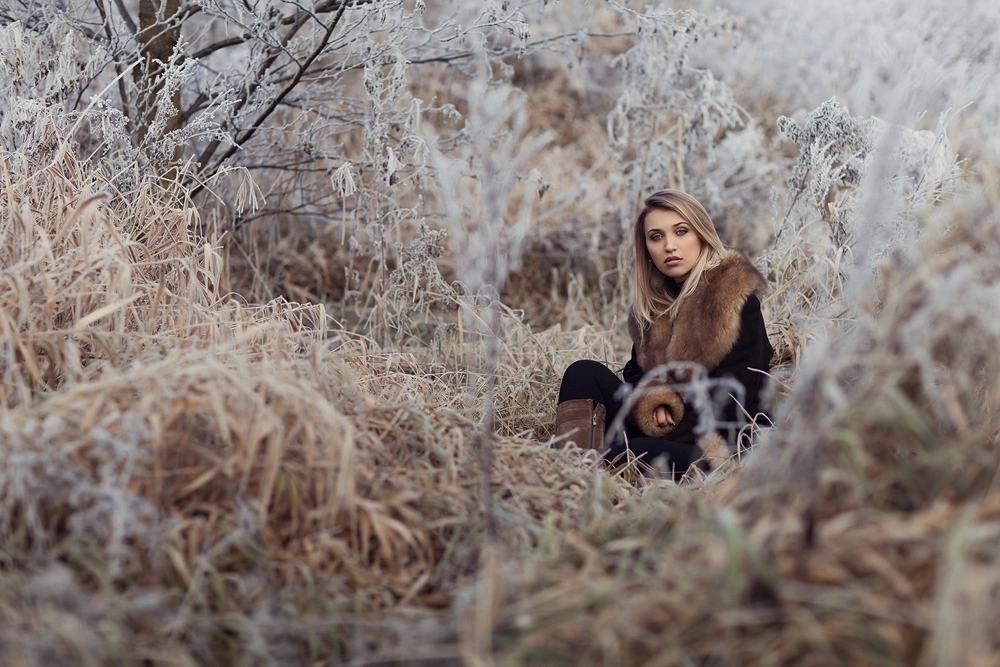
<point>187,479</point>
<point>203,475</point>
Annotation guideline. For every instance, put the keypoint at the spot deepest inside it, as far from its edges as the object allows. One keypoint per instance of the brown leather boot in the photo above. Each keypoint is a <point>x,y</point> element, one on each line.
<point>582,421</point>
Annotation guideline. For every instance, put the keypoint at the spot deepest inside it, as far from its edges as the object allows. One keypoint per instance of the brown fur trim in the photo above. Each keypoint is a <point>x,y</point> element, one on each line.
<point>714,451</point>
<point>707,325</point>
<point>652,396</point>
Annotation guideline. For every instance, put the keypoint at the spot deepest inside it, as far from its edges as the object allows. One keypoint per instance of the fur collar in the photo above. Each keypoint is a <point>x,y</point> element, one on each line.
<point>707,325</point>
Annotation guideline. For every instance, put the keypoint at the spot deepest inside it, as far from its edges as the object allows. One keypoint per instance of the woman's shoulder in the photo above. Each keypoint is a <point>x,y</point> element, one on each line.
<point>735,278</point>
<point>723,291</point>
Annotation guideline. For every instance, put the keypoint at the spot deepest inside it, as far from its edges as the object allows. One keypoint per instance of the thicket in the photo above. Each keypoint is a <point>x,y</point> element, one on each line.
<point>286,290</point>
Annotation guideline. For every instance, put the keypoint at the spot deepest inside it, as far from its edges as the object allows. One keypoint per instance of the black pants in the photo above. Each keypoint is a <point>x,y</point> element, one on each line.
<point>594,380</point>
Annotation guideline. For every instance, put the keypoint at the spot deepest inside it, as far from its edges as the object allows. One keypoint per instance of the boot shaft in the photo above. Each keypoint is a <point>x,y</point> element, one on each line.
<point>582,422</point>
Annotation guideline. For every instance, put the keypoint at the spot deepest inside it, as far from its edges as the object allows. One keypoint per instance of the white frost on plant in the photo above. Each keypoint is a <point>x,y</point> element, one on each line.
<point>343,181</point>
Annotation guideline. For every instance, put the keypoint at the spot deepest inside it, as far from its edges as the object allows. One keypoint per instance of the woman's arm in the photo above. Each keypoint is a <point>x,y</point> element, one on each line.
<point>747,363</point>
<point>658,408</point>
<point>750,359</point>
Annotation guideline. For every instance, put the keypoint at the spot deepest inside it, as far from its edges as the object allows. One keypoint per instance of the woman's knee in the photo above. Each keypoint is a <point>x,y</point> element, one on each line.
<point>590,379</point>
<point>584,369</point>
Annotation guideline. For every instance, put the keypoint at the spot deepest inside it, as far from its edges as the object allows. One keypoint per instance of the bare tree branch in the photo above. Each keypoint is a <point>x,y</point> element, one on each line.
<point>118,68</point>
<point>126,16</point>
<point>213,146</point>
<point>218,46</point>
<point>276,102</point>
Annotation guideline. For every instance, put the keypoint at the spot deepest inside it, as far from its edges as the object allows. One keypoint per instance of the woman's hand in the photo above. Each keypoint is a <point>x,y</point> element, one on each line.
<point>662,417</point>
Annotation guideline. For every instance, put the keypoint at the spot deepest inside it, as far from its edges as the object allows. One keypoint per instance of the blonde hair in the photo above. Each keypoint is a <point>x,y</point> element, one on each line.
<point>654,294</point>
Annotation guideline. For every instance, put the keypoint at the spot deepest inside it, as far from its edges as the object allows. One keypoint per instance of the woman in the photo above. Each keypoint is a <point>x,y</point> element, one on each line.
<point>693,301</point>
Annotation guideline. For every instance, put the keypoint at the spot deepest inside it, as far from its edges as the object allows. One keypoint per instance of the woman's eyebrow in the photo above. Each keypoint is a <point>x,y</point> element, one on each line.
<point>680,222</point>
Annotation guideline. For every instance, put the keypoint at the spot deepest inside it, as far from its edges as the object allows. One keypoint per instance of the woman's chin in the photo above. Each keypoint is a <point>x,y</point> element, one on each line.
<point>677,275</point>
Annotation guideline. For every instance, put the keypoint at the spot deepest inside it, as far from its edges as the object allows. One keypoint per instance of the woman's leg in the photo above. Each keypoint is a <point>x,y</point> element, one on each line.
<point>666,455</point>
<point>593,380</point>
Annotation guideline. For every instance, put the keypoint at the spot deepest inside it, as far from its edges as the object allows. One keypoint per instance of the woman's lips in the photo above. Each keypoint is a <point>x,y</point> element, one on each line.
<point>670,261</point>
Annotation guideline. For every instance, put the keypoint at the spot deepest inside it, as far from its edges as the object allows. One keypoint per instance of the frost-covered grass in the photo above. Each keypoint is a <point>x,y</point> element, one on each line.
<point>195,475</point>
<point>218,481</point>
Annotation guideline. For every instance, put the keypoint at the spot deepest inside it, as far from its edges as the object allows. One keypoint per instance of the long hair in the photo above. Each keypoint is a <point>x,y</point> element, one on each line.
<point>653,293</point>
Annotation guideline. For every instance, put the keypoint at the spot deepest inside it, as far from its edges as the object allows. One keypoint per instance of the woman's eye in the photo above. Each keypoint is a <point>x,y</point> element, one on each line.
<point>681,232</point>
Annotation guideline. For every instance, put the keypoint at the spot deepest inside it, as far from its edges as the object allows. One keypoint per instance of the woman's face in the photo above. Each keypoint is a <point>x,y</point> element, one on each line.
<point>672,244</point>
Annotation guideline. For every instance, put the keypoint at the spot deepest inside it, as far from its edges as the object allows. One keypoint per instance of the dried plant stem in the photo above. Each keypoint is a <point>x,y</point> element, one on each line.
<point>487,433</point>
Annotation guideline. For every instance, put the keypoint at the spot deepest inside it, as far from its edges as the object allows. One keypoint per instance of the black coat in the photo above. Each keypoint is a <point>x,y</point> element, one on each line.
<point>746,362</point>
